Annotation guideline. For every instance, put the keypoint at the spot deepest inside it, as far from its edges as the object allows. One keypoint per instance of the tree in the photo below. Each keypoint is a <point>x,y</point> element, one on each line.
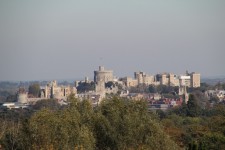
<point>34,90</point>
<point>214,99</point>
<point>193,108</point>
<point>51,104</point>
<point>181,110</point>
<point>126,124</point>
<point>152,89</point>
<point>62,129</point>
<point>141,88</point>
<point>109,84</point>
<point>167,89</point>
<point>117,123</point>
<point>85,87</point>
<point>11,98</point>
<point>219,86</point>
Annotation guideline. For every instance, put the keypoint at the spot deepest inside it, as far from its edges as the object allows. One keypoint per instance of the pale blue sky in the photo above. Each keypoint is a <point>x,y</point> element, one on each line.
<point>68,39</point>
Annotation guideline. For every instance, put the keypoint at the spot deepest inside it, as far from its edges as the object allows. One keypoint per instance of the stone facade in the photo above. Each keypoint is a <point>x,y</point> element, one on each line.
<point>103,75</point>
<point>52,90</point>
<point>169,79</point>
<point>173,80</point>
<point>22,96</point>
<point>129,82</point>
<point>195,79</point>
<point>143,78</point>
<point>185,80</point>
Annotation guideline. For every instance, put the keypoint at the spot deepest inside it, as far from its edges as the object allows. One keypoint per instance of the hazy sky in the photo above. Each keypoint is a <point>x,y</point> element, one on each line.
<point>68,39</point>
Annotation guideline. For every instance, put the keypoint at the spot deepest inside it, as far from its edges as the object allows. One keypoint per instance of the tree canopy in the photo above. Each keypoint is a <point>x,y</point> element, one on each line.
<point>85,87</point>
<point>116,124</point>
<point>34,89</point>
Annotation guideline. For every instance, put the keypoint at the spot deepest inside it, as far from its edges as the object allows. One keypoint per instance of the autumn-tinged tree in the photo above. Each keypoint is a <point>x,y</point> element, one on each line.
<point>63,129</point>
<point>128,125</point>
<point>116,124</point>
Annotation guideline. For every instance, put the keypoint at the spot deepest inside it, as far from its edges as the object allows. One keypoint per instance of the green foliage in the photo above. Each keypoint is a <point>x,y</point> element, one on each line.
<point>128,125</point>
<point>85,87</point>
<point>8,88</point>
<point>10,127</point>
<point>34,90</point>
<point>170,95</point>
<point>213,141</point>
<point>220,86</point>
<point>10,138</point>
<point>116,124</point>
<point>202,132</point>
<point>51,104</point>
<point>141,88</point>
<point>109,84</point>
<point>163,89</point>
<point>11,98</point>
<point>6,96</point>
<point>193,107</point>
<point>203,87</point>
<point>214,99</point>
<point>152,89</point>
<point>60,130</point>
<point>218,109</point>
<point>180,110</point>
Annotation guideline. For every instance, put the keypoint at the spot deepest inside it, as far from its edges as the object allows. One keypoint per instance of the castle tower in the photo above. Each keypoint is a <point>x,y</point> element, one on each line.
<point>103,75</point>
<point>22,96</point>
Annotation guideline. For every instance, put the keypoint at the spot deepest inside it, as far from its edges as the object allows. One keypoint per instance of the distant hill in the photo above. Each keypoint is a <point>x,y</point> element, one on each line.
<point>213,80</point>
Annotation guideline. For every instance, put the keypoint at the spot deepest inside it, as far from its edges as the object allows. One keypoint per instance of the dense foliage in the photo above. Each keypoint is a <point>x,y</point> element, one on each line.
<point>196,127</point>
<point>115,124</point>
<point>34,89</point>
<point>85,87</point>
<point>7,91</point>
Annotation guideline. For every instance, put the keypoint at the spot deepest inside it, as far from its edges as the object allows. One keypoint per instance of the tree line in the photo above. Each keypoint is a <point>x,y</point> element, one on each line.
<point>115,124</point>
<point>194,126</point>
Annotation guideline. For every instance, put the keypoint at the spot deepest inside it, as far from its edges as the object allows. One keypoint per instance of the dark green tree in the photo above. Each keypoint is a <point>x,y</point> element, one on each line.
<point>109,84</point>
<point>85,87</point>
<point>34,90</point>
<point>11,98</point>
<point>193,107</point>
<point>51,104</point>
<point>152,89</point>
